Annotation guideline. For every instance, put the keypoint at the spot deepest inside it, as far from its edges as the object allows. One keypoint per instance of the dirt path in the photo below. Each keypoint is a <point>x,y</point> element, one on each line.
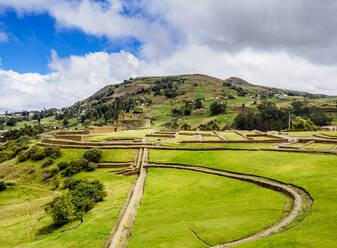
<point>121,235</point>
<point>302,201</point>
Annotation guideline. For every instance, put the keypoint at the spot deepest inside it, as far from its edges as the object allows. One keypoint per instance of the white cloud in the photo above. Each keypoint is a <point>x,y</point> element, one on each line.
<point>288,45</point>
<point>77,77</point>
<point>3,37</point>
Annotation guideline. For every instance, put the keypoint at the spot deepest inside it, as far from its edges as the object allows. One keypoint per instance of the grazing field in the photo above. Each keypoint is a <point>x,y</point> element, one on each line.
<point>177,203</point>
<point>23,220</point>
<point>315,173</point>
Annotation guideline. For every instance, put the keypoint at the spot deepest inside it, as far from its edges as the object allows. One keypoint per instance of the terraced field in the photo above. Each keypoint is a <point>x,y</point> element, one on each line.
<point>259,197</point>
<point>178,205</point>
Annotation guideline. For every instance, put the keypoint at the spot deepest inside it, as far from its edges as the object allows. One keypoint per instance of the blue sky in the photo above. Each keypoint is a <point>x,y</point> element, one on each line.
<point>33,36</point>
<point>56,52</point>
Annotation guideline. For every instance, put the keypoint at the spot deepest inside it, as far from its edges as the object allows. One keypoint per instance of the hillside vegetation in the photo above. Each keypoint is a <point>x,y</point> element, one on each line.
<point>191,100</point>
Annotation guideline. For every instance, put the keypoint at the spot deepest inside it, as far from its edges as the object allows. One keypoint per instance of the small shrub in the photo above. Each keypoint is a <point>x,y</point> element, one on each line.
<point>93,155</point>
<point>90,167</point>
<point>70,183</point>
<point>54,170</point>
<point>31,170</point>
<point>2,186</point>
<point>53,152</point>
<point>39,154</point>
<point>46,175</point>
<point>47,162</point>
<point>62,165</point>
<point>55,185</point>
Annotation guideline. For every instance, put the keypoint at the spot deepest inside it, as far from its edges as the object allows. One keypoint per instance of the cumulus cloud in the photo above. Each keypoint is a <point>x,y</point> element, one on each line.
<point>77,77</point>
<point>287,44</point>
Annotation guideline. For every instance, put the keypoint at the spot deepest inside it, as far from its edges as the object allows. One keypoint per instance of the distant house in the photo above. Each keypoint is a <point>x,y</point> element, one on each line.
<point>329,128</point>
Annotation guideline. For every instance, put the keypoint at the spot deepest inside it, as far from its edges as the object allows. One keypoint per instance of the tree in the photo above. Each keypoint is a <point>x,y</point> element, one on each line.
<point>301,124</point>
<point>62,210</point>
<point>198,103</point>
<point>11,122</point>
<point>217,108</point>
<point>93,155</point>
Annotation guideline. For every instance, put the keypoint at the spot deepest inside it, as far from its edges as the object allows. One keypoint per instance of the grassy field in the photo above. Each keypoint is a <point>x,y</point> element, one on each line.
<point>23,222</point>
<point>118,155</point>
<point>259,145</point>
<point>320,146</point>
<point>316,173</point>
<point>231,136</point>
<point>122,134</point>
<point>176,202</point>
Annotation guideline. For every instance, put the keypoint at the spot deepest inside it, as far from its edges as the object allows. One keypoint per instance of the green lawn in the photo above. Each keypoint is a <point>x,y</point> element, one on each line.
<point>231,136</point>
<point>210,138</point>
<point>249,145</point>
<point>122,134</point>
<point>320,146</point>
<point>121,155</point>
<point>330,134</point>
<point>315,173</point>
<point>216,208</point>
<point>302,134</point>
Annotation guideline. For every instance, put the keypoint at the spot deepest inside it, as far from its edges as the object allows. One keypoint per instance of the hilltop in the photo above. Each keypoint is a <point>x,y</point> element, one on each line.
<point>157,97</point>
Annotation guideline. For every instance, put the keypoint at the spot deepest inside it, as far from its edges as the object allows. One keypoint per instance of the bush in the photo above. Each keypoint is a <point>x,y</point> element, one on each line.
<point>53,152</point>
<point>2,186</point>
<point>39,154</point>
<point>13,148</point>
<point>81,197</point>
<point>70,183</point>
<point>93,155</point>
<point>62,210</point>
<point>210,126</point>
<point>217,108</point>
<point>46,175</point>
<point>75,166</point>
<point>54,170</point>
<point>90,167</point>
<point>47,162</point>
<point>62,165</point>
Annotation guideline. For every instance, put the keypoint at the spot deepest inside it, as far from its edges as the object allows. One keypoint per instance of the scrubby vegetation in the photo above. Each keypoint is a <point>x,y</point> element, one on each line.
<point>37,153</point>
<point>2,186</point>
<point>81,197</point>
<point>13,148</point>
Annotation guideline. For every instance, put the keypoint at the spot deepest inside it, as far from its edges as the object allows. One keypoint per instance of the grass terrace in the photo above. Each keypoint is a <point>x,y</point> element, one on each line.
<point>177,203</point>
<point>122,134</point>
<point>315,173</point>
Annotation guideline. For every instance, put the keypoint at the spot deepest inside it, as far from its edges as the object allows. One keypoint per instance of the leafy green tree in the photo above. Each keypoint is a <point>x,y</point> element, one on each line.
<point>217,108</point>
<point>93,155</point>
<point>62,210</point>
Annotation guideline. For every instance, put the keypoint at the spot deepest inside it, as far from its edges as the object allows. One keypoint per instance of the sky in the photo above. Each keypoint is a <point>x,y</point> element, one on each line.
<point>56,52</point>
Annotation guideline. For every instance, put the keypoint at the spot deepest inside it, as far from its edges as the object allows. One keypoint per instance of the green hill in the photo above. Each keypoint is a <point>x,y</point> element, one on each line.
<point>158,96</point>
